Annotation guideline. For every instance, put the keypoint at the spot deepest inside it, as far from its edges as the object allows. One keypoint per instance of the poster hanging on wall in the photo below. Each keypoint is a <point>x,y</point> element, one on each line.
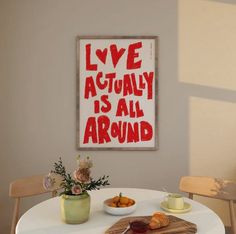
<point>117,93</point>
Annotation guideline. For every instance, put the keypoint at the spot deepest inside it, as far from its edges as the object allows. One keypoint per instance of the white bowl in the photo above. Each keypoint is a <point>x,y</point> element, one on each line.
<point>118,210</point>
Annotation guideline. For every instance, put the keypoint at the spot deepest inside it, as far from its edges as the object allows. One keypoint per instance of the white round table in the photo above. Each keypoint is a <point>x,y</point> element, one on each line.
<point>44,218</point>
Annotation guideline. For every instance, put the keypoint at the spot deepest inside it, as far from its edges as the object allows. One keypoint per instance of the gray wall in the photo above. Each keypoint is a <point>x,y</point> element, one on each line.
<point>37,91</point>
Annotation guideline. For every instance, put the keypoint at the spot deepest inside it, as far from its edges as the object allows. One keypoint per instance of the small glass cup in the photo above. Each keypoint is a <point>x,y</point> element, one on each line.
<point>175,201</point>
<point>139,226</point>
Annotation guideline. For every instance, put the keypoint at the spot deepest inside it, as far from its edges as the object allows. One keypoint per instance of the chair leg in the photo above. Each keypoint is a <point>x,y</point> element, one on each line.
<point>232,217</point>
<point>15,215</point>
<point>228,230</point>
<point>190,196</point>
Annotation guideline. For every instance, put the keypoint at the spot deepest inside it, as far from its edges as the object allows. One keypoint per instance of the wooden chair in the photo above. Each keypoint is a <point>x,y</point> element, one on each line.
<point>213,188</point>
<point>26,187</point>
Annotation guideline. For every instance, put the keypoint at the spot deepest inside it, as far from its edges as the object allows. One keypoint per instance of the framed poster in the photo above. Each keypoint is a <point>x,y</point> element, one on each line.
<point>117,93</point>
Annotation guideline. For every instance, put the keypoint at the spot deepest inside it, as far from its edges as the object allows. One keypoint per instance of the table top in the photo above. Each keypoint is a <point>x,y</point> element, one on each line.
<point>45,217</point>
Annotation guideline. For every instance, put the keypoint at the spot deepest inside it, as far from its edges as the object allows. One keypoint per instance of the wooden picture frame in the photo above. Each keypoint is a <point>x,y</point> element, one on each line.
<point>116,93</point>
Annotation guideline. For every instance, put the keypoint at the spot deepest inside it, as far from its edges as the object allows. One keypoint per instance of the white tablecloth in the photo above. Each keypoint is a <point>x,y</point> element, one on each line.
<point>44,218</point>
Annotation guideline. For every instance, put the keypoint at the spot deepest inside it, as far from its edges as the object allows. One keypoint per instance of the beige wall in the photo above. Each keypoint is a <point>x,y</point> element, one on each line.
<point>207,55</point>
<point>37,72</point>
<point>37,90</point>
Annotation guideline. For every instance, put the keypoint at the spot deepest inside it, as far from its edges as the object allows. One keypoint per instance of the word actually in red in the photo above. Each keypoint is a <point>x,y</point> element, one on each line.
<point>128,85</point>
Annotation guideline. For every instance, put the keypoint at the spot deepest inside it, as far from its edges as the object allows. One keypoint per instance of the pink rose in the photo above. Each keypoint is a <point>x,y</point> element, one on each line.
<point>76,189</point>
<point>82,175</point>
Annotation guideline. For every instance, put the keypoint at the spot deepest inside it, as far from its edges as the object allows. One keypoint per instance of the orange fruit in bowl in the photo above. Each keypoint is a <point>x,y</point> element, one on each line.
<point>119,205</point>
<point>120,201</point>
<point>115,199</point>
<point>124,200</point>
<point>112,204</point>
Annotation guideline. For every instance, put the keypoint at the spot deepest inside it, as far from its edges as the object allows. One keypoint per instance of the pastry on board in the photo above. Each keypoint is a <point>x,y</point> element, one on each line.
<point>158,220</point>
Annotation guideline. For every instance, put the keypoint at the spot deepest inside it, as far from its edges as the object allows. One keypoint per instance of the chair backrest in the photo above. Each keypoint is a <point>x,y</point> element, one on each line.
<point>26,187</point>
<point>213,188</point>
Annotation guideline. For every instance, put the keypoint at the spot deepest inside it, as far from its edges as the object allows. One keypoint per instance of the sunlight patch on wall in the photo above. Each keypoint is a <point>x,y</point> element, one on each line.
<point>212,134</point>
<point>207,48</point>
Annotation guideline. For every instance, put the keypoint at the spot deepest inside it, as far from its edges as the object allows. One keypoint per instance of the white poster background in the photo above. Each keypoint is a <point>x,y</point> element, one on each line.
<point>86,106</point>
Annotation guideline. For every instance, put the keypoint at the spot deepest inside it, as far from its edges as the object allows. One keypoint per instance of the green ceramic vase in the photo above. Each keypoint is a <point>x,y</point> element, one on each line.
<point>75,209</point>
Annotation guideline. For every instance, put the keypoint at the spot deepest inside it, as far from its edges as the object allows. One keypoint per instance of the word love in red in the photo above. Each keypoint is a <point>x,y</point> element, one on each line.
<point>132,61</point>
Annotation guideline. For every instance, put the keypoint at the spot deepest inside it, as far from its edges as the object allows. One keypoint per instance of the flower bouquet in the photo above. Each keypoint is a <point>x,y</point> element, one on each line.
<point>75,200</point>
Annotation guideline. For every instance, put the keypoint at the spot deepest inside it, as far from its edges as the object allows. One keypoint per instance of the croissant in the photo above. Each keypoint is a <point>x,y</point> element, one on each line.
<point>158,220</point>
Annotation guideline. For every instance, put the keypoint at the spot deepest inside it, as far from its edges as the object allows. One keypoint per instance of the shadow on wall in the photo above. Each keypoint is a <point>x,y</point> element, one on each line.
<point>224,1</point>
<point>206,57</point>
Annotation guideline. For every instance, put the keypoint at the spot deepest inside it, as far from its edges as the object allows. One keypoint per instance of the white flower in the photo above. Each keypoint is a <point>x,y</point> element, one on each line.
<point>52,181</point>
<point>85,163</point>
<point>48,182</point>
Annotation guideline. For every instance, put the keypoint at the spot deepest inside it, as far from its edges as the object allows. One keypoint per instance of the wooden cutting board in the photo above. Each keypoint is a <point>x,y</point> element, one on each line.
<point>176,225</point>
